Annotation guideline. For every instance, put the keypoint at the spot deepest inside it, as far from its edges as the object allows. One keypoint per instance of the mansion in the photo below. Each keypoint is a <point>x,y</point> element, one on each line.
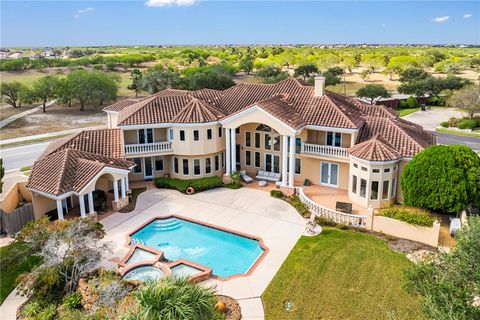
<point>297,132</point>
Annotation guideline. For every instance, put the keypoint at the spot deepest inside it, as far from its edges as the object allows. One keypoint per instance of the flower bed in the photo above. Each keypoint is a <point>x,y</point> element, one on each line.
<point>409,215</point>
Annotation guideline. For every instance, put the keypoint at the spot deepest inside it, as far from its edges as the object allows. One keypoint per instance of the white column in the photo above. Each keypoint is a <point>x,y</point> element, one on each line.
<point>115,190</point>
<point>227,151</point>
<point>233,150</point>
<point>292,163</point>
<point>91,209</point>
<point>124,191</point>
<point>81,200</point>
<point>59,209</point>
<point>127,187</point>
<point>284,160</point>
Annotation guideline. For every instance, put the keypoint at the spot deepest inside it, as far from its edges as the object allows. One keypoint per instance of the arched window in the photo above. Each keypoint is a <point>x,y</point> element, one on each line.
<point>264,128</point>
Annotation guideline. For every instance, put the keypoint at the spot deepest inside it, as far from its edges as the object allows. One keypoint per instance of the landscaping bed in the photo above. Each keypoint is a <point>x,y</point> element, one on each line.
<point>341,274</point>
<point>181,185</point>
<point>294,201</point>
<point>133,202</point>
<point>409,215</point>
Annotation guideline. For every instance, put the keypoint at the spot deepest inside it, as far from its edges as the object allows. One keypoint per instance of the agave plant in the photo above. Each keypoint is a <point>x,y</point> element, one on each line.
<point>172,298</point>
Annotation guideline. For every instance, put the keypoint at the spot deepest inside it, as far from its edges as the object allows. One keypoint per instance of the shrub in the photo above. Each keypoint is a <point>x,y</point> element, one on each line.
<point>174,299</point>
<point>411,102</point>
<point>445,124</point>
<point>234,181</point>
<point>436,101</point>
<point>277,194</point>
<point>325,222</point>
<point>403,104</point>
<point>181,185</point>
<point>452,121</point>
<point>409,215</point>
<point>299,205</point>
<point>73,300</point>
<point>443,178</point>
<point>468,123</point>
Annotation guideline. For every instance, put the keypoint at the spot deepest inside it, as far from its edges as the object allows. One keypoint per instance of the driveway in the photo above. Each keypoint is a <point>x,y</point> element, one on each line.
<point>246,210</point>
<point>432,118</point>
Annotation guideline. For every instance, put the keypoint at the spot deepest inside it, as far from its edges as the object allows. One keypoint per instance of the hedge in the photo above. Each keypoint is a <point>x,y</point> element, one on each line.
<point>181,185</point>
<point>413,216</point>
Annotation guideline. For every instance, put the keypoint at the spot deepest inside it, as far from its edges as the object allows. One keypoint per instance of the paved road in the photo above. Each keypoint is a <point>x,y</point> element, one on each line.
<point>432,118</point>
<point>17,157</point>
<point>445,138</point>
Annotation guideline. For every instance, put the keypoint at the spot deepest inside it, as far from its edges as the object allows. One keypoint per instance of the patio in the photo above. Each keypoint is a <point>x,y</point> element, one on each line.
<point>328,197</point>
<point>244,210</point>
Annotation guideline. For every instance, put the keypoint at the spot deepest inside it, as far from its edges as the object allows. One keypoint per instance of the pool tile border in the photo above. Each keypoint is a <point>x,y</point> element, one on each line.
<point>252,268</point>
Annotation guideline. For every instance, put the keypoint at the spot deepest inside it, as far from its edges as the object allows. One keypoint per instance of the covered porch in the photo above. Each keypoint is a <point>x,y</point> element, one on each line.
<point>328,197</point>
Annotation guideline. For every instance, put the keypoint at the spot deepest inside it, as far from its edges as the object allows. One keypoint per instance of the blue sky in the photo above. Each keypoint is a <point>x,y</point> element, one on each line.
<point>58,23</point>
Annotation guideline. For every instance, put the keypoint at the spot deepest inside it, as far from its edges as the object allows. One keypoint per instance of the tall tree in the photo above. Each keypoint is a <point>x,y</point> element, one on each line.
<point>246,64</point>
<point>332,76</point>
<point>159,78</point>
<point>467,100</point>
<point>136,77</point>
<point>305,70</point>
<point>373,92</point>
<point>45,89</point>
<point>10,93</point>
<point>271,74</point>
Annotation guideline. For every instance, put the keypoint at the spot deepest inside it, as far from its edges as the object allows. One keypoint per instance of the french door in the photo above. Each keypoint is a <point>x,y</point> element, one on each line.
<point>148,168</point>
<point>272,163</point>
<point>329,174</point>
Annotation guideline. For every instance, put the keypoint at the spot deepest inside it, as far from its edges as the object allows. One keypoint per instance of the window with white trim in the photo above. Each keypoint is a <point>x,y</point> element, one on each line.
<point>217,163</point>
<point>220,132</point>
<point>248,138</point>
<point>175,165</point>
<point>374,190</point>
<point>196,135</point>
<point>138,167</point>
<point>298,166</point>
<point>394,187</point>
<point>386,185</point>
<point>257,159</point>
<point>333,139</point>
<point>354,184</point>
<point>363,188</point>
<point>159,163</point>
<point>182,135</point>
<point>196,167</point>
<point>257,140</point>
<point>186,170</point>
<point>248,158</point>
<point>208,165</point>
<point>209,134</point>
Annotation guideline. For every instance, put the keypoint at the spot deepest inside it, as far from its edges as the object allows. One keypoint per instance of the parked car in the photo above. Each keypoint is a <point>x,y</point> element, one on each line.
<point>455,225</point>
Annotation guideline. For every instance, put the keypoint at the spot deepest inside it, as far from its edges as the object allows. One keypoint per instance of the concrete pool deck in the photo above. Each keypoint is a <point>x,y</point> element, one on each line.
<point>245,210</point>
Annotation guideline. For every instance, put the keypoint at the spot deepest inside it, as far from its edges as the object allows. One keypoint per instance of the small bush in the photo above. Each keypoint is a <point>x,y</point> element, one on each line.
<point>468,123</point>
<point>235,182</point>
<point>403,104</point>
<point>452,121</point>
<point>73,300</point>
<point>445,124</point>
<point>409,215</point>
<point>411,102</point>
<point>181,185</point>
<point>277,194</point>
<point>299,205</point>
<point>325,222</point>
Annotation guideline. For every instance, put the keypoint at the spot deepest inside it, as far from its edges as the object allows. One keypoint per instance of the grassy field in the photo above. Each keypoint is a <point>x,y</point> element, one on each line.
<point>407,111</point>
<point>476,133</point>
<point>341,275</point>
<point>14,267</point>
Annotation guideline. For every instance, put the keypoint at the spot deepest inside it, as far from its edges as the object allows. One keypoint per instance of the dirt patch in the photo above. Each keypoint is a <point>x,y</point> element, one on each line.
<point>233,311</point>
<point>57,118</point>
<point>7,110</point>
<point>133,200</point>
<point>403,245</point>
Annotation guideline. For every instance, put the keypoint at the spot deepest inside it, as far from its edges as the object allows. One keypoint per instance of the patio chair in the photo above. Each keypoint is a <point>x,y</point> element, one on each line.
<point>245,177</point>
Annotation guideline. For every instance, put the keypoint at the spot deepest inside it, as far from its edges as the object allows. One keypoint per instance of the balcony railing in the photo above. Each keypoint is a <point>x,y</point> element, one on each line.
<point>165,146</point>
<point>322,150</point>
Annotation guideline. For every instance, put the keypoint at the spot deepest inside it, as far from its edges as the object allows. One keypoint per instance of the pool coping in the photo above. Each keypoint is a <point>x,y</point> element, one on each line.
<point>159,255</point>
<point>252,268</point>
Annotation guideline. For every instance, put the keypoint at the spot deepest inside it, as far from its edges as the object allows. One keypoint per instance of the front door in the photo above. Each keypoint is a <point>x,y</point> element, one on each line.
<point>329,174</point>
<point>148,168</point>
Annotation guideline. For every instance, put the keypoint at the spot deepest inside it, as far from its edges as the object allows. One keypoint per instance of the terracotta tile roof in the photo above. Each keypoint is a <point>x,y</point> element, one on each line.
<point>197,111</point>
<point>104,142</point>
<point>120,105</point>
<point>407,138</point>
<point>70,170</point>
<point>375,149</point>
<point>279,107</point>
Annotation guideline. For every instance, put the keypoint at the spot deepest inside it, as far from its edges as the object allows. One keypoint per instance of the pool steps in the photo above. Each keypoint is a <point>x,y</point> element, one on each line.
<point>166,225</point>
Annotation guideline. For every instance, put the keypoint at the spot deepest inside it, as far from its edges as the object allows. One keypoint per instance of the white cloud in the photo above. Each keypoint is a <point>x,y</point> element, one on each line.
<point>164,3</point>
<point>467,15</point>
<point>82,11</point>
<point>441,19</point>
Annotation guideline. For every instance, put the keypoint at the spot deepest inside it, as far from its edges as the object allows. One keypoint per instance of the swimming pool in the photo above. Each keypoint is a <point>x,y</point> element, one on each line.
<point>226,253</point>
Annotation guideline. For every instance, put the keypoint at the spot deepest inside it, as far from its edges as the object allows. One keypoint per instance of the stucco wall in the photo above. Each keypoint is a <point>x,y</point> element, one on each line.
<point>42,205</point>
<point>201,147</point>
<point>11,198</point>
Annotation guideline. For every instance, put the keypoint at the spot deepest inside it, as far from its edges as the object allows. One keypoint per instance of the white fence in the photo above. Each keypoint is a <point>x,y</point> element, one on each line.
<point>165,146</point>
<point>359,221</point>
<point>321,150</point>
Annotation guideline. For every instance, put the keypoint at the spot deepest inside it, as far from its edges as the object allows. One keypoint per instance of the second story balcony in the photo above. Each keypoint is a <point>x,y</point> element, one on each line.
<point>323,150</point>
<point>148,148</point>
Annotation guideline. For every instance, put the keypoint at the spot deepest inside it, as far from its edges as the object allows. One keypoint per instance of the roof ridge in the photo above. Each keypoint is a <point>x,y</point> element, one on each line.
<point>330,100</point>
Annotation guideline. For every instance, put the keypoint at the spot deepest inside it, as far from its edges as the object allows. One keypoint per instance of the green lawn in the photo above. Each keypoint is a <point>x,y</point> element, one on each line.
<point>341,275</point>
<point>475,133</point>
<point>404,112</point>
<point>11,266</point>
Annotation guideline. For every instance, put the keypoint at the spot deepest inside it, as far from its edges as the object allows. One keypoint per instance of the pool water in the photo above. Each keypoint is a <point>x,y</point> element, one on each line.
<point>140,255</point>
<point>147,273</point>
<point>224,252</point>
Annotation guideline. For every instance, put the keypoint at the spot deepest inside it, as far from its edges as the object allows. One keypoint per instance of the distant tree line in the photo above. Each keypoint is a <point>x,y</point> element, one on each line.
<point>82,86</point>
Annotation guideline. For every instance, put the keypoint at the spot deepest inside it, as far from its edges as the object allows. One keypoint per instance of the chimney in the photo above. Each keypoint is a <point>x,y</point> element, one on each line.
<point>319,85</point>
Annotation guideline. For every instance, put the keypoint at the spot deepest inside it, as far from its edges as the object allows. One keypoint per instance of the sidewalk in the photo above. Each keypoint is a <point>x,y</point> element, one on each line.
<point>9,120</point>
<point>50,134</point>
